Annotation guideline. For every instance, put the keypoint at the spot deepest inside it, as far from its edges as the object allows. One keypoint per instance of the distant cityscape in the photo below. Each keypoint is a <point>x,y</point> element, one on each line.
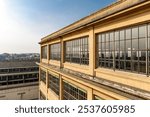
<point>19,57</point>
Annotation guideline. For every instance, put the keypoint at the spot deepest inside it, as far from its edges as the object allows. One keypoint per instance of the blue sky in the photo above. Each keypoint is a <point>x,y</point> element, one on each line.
<point>25,22</point>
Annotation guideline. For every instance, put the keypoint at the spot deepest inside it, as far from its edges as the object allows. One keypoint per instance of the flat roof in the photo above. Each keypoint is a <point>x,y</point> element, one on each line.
<point>17,64</point>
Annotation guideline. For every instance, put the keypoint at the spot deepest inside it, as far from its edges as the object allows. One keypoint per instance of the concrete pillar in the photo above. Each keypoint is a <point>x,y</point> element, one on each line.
<point>90,94</point>
<point>60,88</point>
<point>40,53</point>
<point>47,84</point>
<point>62,52</point>
<point>48,53</point>
<point>91,51</point>
<point>39,80</point>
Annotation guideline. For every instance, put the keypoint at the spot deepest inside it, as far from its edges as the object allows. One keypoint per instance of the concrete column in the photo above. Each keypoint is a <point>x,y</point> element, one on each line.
<point>90,94</point>
<point>48,53</point>
<point>39,81</point>
<point>62,52</point>
<point>60,88</point>
<point>40,53</point>
<point>47,84</point>
<point>91,51</point>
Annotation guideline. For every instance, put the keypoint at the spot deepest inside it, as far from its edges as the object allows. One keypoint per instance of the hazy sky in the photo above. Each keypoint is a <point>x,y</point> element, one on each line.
<point>24,22</point>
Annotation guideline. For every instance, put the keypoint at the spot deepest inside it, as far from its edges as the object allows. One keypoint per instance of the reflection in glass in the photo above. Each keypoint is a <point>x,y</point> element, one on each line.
<point>142,67</point>
<point>142,31</point>
<point>77,51</point>
<point>55,51</point>
<point>142,44</point>
<point>117,35</point>
<point>135,32</point>
<point>135,44</point>
<point>44,52</point>
<point>128,33</point>
<point>125,49</point>
<point>122,45</point>
<point>128,65</point>
<point>134,55</point>
<point>135,66</point>
<point>128,45</point>
<point>122,35</point>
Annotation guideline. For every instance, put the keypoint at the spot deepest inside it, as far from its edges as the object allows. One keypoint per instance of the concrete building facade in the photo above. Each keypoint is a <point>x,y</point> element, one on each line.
<point>105,55</point>
<point>18,80</point>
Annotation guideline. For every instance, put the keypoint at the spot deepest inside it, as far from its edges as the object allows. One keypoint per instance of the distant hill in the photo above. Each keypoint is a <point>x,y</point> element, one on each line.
<point>19,57</point>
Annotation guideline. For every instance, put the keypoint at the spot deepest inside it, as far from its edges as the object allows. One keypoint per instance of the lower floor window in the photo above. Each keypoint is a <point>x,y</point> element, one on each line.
<point>71,92</point>
<point>53,83</point>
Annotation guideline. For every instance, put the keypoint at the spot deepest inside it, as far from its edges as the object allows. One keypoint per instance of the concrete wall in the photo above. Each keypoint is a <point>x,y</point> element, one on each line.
<point>20,93</point>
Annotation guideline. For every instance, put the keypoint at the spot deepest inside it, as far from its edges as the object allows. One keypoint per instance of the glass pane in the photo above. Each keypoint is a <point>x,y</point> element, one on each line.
<point>142,31</point>
<point>128,45</point>
<point>149,67</point>
<point>128,34</point>
<point>135,66</point>
<point>107,45</point>
<point>111,55</point>
<point>135,32</point>
<point>142,44</point>
<point>122,35</point>
<point>128,55</point>
<point>117,64</point>
<point>111,36</point>
<point>128,65</point>
<point>149,55</point>
<point>135,44</point>
<point>103,46</point>
<point>117,45</point>
<point>117,35</point>
<point>99,38</point>
<point>117,54</point>
<point>107,37</point>
<point>122,45</point>
<point>103,54</point>
<point>142,55</point>
<point>111,45</point>
<point>135,55</point>
<point>103,37</point>
<point>149,42</point>
<point>142,67</point>
<point>122,65</point>
<point>148,30</point>
<point>122,55</point>
<point>107,54</point>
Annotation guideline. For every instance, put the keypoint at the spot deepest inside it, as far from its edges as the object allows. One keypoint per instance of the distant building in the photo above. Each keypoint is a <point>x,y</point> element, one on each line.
<point>104,56</point>
<point>18,80</point>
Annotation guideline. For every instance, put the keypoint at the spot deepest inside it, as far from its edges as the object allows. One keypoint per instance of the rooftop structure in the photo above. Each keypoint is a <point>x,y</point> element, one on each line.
<point>18,80</point>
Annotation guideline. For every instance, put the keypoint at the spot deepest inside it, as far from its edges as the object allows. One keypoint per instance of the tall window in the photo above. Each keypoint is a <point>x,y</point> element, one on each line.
<point>71,92</point>
<point>55,52</point>
<point>105,50</point>
<point>125,49</point>
<point>44,52</point>
<point>43,76</point>
<point>53,83</point>
<point>77,51</point>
